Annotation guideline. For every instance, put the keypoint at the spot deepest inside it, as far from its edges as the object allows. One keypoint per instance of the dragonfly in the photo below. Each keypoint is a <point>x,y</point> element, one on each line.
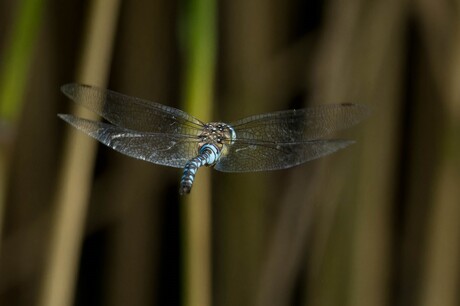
<point>168,136</point>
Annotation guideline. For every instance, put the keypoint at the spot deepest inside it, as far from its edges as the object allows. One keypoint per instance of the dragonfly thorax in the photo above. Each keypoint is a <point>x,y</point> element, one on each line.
<point>219,134</point>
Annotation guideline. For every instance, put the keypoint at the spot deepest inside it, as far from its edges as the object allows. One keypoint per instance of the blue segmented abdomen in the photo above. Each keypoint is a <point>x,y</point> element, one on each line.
<point>209,155</point>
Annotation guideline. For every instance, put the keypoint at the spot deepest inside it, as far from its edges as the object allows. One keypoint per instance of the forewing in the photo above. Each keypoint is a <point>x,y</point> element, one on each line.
<point>245,156</point>
<point>172,150</point>
<point>300,125</point>
<point>132,113</point>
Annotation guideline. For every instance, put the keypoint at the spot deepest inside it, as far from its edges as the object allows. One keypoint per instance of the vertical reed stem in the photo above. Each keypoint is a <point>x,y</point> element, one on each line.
<point>13,77</point>
<point>71,199</point>
<point>199,47</point>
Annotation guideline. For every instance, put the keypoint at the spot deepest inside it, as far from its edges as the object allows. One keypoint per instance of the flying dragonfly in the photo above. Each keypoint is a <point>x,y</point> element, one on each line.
<point>168,136</point>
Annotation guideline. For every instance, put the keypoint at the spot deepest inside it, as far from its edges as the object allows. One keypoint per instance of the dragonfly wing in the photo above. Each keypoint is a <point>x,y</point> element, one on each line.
<point>300,125</point>
<point>163,149</point>
<point>260,156</point>
<point>132,113</point>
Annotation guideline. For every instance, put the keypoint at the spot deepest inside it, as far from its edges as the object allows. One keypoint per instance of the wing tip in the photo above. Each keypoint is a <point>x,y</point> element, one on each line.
<point>347,143</point>
<point>71,89</point>
<point>365,111</point>
<point>65,117</point>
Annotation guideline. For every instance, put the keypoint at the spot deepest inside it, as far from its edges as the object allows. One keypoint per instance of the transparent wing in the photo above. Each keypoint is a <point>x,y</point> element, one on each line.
<point>132,113</point>
<point>300,125</point>
<point>172,150</point>
<point>244,156</point>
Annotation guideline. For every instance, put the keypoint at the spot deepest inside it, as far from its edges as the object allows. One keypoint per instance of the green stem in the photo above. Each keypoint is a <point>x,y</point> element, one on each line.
<point>199,42</point>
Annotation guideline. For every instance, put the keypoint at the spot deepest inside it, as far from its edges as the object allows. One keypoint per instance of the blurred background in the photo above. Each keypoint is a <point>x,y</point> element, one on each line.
<point>374,224</point>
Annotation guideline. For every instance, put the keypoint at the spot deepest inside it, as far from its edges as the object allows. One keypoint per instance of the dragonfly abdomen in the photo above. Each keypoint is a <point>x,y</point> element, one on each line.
<point>209,155</point>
